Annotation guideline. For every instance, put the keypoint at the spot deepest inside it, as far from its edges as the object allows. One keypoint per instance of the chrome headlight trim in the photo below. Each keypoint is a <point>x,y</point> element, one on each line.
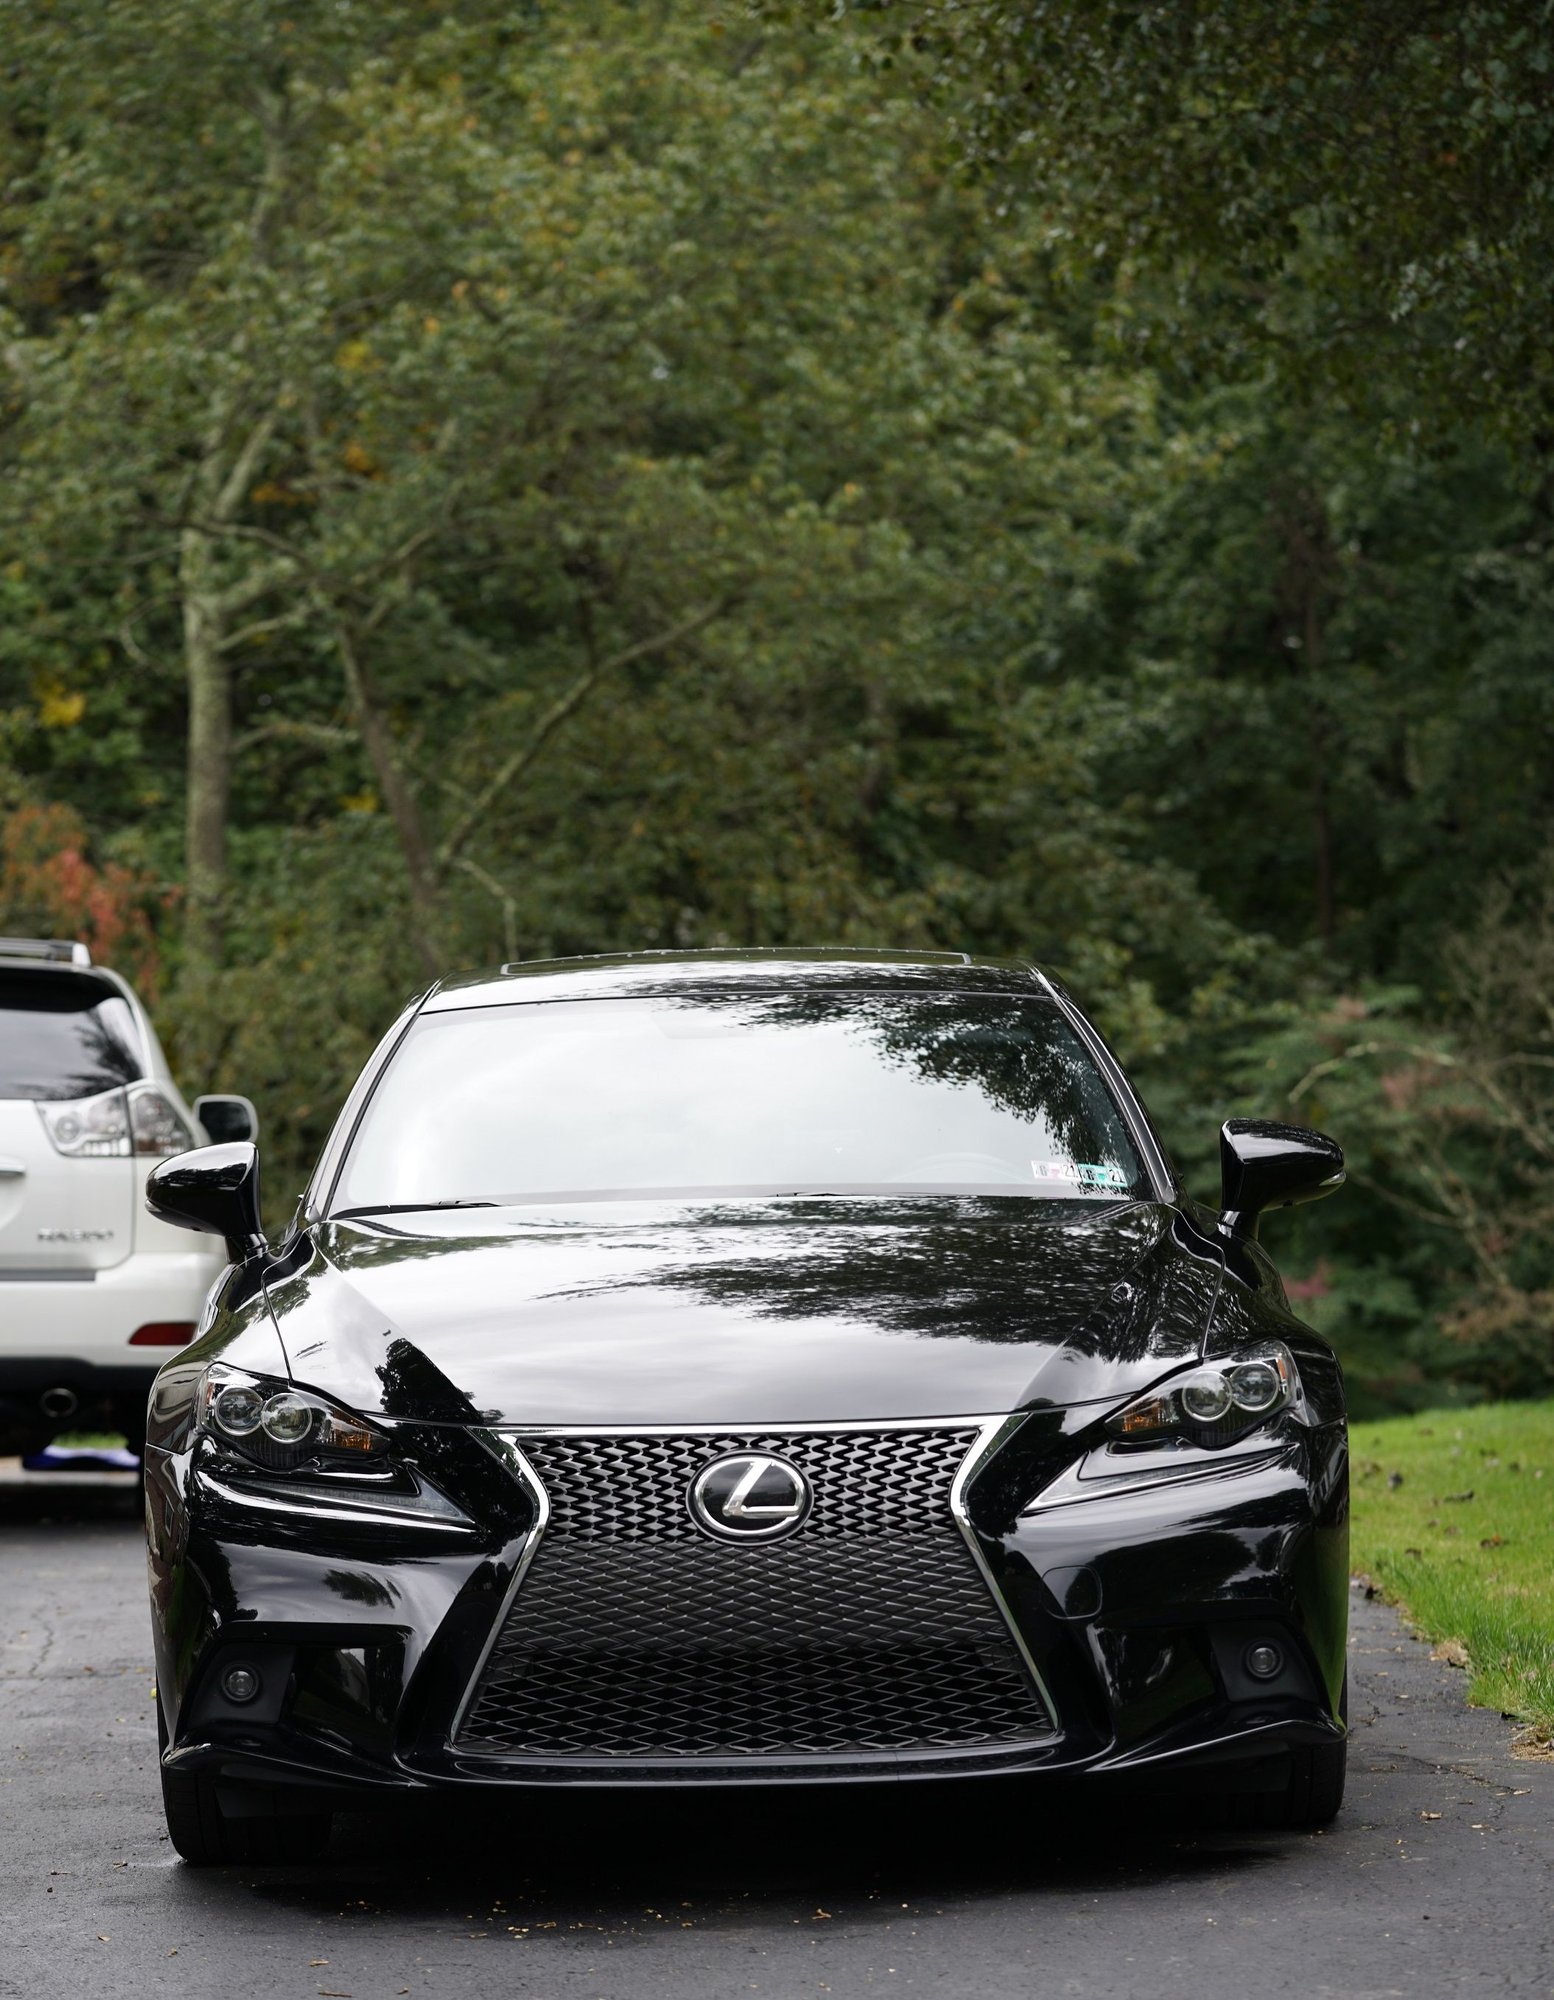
<point>1073,1486</point>
<point>345,1500</point>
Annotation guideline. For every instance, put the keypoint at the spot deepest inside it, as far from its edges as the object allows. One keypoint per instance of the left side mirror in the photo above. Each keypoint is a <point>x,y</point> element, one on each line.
<point>215,1189</point>
<point>1264,1165</point>
<point>226,1118</point>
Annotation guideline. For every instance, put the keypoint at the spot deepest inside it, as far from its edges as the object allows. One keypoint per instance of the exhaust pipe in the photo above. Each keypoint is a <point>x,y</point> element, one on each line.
<point>58,1402</point>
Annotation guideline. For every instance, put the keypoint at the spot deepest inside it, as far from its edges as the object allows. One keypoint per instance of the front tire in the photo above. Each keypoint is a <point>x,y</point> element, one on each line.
<point>1316,1787</point>
<point>1312,1794</point>
<point>208,1837</point>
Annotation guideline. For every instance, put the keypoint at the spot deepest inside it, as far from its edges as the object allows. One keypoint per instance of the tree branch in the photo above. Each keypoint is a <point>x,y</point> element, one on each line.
<point>1415,1051</point>
<point>236,531</point>
<point>509,905</point>
<point>325,734</point>
<point>229,497</point>
<point>260,628</point>
<point>563,706</point>
<point>249,589</point>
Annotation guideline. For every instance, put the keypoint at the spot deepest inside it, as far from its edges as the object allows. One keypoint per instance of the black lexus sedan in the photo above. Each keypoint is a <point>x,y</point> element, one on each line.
<point>744,1367</point>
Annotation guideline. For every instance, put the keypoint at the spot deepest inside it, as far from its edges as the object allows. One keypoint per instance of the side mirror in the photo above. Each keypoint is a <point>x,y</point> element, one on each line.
<point>1264,1165</point>
<point>226,1118</point>
<point>215,1189</point>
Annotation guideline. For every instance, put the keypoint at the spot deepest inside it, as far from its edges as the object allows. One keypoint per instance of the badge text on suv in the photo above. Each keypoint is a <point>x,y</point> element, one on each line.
<point>741,1368</point>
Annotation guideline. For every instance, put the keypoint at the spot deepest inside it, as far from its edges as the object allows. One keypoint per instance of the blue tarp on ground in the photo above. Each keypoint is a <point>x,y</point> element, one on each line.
<point>81,1458</point>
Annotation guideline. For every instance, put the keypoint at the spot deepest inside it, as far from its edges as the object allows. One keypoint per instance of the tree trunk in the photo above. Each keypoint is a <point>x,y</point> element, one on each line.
<point>398,796</point>
<point>1307,588</point>
<point>209,756</point>
<point>1322,819</point>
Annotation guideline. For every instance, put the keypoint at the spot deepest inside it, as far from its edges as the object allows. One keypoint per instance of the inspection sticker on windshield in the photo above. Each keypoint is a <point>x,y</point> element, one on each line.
<point>1081,1173</point>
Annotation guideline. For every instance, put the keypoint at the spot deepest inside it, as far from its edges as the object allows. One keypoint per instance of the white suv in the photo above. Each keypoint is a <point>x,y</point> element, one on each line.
<point>93,1289</point>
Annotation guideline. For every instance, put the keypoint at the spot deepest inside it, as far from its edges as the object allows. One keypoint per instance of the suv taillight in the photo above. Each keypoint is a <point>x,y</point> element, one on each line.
<point>89,1127</point>
<point>117,1123</point>
<point>155,1125</point>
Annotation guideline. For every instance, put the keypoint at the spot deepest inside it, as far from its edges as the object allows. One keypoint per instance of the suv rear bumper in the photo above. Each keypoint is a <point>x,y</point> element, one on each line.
<point>73,1334</point>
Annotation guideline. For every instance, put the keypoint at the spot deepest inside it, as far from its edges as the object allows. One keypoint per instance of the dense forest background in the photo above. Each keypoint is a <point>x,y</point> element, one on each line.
<point>1065,479</point>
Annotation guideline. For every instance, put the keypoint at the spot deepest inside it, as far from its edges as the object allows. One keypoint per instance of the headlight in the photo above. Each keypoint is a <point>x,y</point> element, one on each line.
<point>280,1426</point>
<point>296,1453</point>
<point>1215,1404</point>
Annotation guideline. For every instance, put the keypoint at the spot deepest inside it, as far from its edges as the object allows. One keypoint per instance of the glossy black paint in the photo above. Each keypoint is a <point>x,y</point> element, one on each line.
<point>745,1312</point>
<point>214,1189</point>
<point>1136,1592</point>
<point>1267,1165</point>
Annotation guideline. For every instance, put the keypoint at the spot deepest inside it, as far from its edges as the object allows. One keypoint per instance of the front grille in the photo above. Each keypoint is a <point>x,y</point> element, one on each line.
<point>634,1634</point>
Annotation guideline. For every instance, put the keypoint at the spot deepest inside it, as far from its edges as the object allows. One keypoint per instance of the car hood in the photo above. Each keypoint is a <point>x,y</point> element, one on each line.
<point>745,1312</point>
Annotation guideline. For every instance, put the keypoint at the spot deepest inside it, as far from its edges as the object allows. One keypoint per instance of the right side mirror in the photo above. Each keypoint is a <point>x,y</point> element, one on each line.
<point>226,1118</point>
<point>215,1189</point>
<point>1265,1165</point>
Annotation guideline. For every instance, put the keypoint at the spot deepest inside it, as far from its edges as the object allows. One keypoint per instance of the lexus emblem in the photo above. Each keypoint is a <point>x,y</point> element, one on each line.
<point>749,1496</point>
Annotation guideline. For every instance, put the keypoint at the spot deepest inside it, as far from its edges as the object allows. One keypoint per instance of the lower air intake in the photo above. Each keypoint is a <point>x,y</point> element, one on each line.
<point>634,1634</point>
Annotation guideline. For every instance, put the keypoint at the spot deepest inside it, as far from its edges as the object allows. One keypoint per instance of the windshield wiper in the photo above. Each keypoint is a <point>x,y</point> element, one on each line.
<point>406,1208</point>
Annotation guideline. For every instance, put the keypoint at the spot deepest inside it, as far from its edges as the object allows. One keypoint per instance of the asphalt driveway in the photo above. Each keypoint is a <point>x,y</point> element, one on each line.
<point>1438,1879</point>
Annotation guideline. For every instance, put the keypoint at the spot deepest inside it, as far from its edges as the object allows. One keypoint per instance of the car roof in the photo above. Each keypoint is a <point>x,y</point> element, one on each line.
<point>651,974</point>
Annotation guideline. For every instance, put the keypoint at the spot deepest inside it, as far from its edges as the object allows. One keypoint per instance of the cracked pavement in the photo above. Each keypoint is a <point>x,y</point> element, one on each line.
<point>1435,1880</point>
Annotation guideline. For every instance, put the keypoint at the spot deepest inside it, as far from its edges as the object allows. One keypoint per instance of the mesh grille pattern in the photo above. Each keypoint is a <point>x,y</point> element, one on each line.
<point>636,1635</point>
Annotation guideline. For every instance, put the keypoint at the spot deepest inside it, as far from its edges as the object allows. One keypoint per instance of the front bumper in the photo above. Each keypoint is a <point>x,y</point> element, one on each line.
<point>1136,1608</point>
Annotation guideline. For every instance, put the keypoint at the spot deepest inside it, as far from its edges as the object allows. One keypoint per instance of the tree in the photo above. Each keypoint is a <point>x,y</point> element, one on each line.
<point>1350,191</point>
<point>498,379</point>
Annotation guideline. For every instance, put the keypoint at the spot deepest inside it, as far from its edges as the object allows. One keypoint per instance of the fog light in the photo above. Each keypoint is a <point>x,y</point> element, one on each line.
<point>240,1683</point>
<point>1263,1661</point>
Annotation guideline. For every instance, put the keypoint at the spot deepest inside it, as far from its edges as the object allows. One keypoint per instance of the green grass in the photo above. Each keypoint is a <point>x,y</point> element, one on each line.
<point>1454,1521</point>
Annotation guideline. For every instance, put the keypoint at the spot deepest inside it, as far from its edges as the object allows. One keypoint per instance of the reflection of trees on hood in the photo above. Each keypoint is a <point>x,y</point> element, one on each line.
<point>413,1385</point>
<point>408,1238</point>
<point>1113,1284</point>
<point>990,1270</point>
<point>1107,1278</point>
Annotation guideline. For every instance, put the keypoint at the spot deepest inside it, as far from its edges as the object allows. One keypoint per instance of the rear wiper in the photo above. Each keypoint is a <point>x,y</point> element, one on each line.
<point>407,1208</point>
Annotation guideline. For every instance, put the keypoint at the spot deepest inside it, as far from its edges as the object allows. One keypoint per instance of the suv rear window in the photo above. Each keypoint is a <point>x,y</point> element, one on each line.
<point>64,1035</point>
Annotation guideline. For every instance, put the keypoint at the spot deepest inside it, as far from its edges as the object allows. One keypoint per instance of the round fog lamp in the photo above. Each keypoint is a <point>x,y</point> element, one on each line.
<point>238,1410</point>
<point>240,1683</point>
<point>1206,1398</point>
<point>287,1417</point>
<point>1256,1385</point>
<point>1263,1661</point>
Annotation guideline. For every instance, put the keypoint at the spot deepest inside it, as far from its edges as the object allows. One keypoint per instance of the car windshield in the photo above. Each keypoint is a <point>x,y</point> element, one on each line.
<point>63,1035</point>
<point>781,1093</point>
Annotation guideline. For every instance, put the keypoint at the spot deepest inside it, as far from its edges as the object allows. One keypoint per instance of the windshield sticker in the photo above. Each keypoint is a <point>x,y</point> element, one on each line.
<point>1092,1174</point>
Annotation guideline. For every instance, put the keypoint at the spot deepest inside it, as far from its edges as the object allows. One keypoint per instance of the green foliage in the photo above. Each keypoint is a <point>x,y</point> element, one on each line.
<point>579,478</point>
<point>1343,190</point>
